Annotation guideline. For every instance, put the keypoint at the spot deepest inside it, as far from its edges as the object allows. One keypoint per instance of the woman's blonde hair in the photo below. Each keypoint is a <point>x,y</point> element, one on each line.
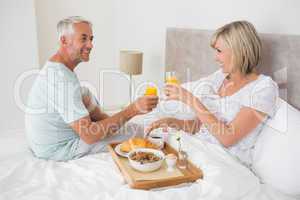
<point>242,38</point>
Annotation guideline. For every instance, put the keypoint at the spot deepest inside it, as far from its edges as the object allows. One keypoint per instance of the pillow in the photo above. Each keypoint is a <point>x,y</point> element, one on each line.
<point>276,158</point>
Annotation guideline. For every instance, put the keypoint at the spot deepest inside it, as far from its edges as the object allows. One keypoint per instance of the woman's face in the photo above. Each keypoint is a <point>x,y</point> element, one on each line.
<point>223,56</point>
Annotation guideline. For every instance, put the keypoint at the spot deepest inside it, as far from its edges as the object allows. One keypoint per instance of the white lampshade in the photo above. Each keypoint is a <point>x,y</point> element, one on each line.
<point>131,62</point>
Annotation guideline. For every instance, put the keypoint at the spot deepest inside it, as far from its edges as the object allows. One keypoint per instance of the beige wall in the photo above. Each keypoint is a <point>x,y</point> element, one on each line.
<point>18,53</point>
<point>118,24</point>
<point>101,14</point>
<point>141,24</point>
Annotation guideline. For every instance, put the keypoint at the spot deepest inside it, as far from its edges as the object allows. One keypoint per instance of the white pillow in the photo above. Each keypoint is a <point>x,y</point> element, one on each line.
<point>276,158</point>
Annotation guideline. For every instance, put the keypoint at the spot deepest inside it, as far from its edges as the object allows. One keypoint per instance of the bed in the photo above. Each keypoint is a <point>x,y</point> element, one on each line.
<point>23,176</point>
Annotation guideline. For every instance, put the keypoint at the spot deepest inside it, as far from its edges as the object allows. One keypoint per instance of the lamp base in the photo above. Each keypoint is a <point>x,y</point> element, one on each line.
<point>130,89</point>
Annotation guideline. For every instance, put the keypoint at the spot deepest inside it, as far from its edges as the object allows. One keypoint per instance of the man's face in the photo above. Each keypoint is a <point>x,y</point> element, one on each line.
<point>79,44</point>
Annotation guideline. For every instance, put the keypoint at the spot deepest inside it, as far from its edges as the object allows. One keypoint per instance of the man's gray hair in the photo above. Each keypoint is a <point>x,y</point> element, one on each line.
<point>65,26</point>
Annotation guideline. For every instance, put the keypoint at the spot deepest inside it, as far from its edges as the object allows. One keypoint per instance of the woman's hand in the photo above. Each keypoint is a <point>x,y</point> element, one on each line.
<point>189,126</point>
<point>164,123</point>
<point>176,92</point>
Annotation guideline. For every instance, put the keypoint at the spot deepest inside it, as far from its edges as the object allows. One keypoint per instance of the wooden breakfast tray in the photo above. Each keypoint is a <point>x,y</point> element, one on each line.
<point>190,174</point>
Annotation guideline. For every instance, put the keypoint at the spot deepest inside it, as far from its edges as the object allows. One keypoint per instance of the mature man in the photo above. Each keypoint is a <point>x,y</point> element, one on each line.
<point>63,120</point>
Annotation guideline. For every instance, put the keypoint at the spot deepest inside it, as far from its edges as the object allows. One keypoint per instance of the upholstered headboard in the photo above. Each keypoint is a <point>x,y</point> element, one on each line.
<point>188,52</point>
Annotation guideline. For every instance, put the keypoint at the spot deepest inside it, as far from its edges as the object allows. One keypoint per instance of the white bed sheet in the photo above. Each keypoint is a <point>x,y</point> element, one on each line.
<point>23,176</point>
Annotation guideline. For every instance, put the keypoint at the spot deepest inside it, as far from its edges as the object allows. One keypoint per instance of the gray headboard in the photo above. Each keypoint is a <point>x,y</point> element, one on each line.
<point>188,52</point>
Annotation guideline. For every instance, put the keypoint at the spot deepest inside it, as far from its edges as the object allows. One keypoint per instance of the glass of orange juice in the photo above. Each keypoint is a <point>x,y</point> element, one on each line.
<point>171,77</point>
<point>151,90</point>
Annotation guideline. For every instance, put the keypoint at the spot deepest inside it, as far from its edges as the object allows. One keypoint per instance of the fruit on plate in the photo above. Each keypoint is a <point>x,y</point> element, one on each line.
<point>134,143</point>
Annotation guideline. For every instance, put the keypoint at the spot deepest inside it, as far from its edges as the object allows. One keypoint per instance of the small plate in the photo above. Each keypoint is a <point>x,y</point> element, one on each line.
<point>119,152</point>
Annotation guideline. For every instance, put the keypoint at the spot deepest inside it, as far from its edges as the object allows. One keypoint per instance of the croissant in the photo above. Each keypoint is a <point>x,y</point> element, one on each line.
<point>134,143</point>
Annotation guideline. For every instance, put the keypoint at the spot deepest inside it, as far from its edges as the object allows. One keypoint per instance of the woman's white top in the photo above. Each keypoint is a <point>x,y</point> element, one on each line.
<point>260,94</point>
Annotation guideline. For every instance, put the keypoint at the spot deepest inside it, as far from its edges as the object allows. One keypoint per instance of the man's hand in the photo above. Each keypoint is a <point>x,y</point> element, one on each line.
<point>144,104</point>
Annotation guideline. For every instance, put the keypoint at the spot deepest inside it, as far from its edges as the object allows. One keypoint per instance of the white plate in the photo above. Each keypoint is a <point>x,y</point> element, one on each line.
<point>119,152</point>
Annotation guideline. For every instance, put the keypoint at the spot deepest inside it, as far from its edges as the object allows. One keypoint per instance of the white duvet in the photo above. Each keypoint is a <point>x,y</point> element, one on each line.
<point>96,177</point>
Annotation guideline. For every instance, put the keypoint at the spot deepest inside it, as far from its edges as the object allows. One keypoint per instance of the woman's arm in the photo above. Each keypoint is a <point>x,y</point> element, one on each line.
<point>228,134</point>
<point>92,132</point>
<point>189,126</point>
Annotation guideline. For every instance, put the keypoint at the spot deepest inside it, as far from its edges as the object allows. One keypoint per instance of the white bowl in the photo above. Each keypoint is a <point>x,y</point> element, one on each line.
<point>146,167</point>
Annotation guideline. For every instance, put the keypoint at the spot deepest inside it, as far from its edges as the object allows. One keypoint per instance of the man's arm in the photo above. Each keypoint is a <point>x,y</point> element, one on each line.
<point>98,115</point>
<point>92,132</point>
<point>94,110</point>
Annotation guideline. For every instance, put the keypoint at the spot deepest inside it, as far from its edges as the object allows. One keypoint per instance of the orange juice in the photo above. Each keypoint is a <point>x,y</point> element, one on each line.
<point>172,79</point>
<point>150,90</point>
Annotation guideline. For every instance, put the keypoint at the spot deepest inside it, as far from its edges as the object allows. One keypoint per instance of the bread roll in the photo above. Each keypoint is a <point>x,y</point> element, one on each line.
<point>134,143</point>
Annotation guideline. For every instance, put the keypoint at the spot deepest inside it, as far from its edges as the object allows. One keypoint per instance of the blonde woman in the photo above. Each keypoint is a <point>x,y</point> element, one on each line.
<point>243,99</point>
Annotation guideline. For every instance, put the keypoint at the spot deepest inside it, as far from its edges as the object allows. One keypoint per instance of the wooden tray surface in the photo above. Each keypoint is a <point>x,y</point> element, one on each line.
<point>190,174</point>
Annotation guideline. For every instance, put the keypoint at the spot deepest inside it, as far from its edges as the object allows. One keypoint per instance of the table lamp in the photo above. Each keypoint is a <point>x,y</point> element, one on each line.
<point>131,63</point>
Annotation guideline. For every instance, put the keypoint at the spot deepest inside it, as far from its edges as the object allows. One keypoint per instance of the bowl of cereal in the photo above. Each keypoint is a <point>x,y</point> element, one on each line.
<point>145,159</point>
